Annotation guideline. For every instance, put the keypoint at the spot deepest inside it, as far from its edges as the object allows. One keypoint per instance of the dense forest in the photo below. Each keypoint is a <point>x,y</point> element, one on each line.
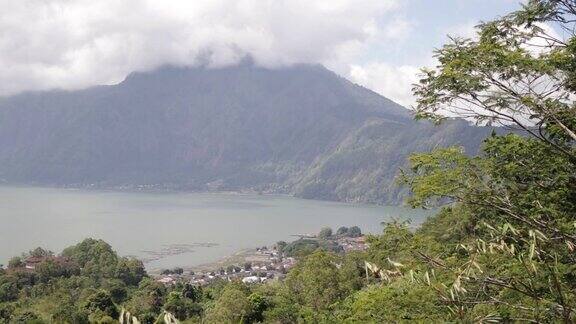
<point>501,248</point>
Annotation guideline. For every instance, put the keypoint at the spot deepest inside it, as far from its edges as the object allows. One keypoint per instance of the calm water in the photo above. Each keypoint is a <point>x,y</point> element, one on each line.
<point>148,224</point>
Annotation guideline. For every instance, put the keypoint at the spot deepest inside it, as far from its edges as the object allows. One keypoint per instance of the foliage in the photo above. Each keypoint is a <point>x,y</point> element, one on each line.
<point>319,281</point>
<point>401,300</point>
<point>342,230</point>
<point>84,284</point>
<point>304,247</point>
<point>233,306</point>
<point>354,231</point>
<point>519,72</point>
<point>514,206</point>
<point>181,307</point>
<point>325,233</point>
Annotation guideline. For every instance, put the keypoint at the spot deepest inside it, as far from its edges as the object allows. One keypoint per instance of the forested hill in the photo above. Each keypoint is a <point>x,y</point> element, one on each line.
<point>301,130</point>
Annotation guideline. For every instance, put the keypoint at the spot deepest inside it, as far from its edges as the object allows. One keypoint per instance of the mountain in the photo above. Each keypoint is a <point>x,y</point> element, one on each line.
<point>301,130</point>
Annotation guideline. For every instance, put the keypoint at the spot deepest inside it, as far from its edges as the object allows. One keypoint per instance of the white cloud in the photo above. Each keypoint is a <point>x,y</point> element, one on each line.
<point>77,43</point>
<point>397,28</point>
<point>393,82</point>
<point>465,30</point>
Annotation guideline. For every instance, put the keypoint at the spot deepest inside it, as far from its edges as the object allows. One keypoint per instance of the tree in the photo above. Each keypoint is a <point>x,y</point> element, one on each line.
<point>519,251</point>
<point>520,196</point>
<point>117,288</point>
<point>67,313</point>
<point>519,72</point>
<point>280,245</point>
<point>325,233</point>
<point>100,306</point>
<point>342,231</point>
<point>15,262</point>
<point>354,231</point>
<point>6,311</point>
<point>28,317</point>
<point>398,301</point>
<point>95,257</point>
<point>233,306</point>
<point>49,269</point>
<point>182,308</point>
<point>301,247</point>
<point>40,252</point>
<point>130,271</point>
<point>316,281</point>
<point>192,292</point>
<point>148,299</point>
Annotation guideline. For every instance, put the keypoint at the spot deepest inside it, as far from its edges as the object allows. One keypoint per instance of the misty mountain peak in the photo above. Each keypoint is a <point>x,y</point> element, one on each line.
<point>299,129</point>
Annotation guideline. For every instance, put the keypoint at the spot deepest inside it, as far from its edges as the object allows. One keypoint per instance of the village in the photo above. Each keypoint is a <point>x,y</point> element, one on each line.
<point>262,264</point>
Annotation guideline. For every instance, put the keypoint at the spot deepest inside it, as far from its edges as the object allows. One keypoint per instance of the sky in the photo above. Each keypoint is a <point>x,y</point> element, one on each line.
<point>380,44</point>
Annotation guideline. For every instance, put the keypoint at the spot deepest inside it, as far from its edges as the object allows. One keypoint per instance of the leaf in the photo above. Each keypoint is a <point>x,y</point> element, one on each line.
<point>532,250</point>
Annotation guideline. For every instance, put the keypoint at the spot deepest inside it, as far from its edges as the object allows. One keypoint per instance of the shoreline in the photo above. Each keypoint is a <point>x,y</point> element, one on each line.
<point>258,265</point>
<point>235,258</point>
<point>157,189</point>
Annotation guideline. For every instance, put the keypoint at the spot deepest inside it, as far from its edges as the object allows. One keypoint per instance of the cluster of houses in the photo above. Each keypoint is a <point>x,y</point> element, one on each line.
<point>263,265</point>
<point>350,244</point>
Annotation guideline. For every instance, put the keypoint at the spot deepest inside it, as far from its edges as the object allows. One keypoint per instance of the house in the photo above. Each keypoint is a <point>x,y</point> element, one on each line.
<point>167,280</point>
<point>32,262</point>
<point>251,279</point>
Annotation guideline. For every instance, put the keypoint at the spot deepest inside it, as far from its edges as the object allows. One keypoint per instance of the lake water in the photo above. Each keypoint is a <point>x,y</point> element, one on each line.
<point>192,228</point>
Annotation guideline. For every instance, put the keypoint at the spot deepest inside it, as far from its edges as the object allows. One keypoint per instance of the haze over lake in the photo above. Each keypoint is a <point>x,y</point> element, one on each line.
<point>193,228</point>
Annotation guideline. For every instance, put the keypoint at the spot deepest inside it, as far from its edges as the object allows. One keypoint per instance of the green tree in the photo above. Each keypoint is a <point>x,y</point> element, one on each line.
<point>100,306</point>
<point>354,231</point>
<point>95,257</point>
<point>50,269</point>
<point>15,262</point>
<point>280,245</point>
<point>233,306</point>
<point>130,271</point>
<point>342,231</point>
<point>6,311</point>
<point>518,200</point>
<point>8,290</point>
<point>27,317</point>
<point>67,313</point>
<point>147,299</point>
<point>518,72</point>
<point>401,300</point>
<point>40,252</point>
<point>182,307</point>
<point>325,233</point>
<point>316,281</point>
<point>258,305</point>
<point>522,198</point>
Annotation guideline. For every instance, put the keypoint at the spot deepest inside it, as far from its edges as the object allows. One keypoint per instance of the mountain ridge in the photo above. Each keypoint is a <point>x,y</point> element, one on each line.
<point>300,130</point>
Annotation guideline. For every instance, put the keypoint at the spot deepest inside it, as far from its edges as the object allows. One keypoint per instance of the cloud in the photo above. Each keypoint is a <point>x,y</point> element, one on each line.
<point>397,28</point>
<point>393,82</point>
<point>465,30</point>
<point>78,43</point>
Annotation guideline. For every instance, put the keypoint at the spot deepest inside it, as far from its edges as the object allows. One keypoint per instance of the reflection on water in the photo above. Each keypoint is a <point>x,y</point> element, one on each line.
<point>171,229</point>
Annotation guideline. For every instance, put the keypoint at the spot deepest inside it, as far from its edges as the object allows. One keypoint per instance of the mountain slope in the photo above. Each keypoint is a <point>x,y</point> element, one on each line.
<point>300,130</point>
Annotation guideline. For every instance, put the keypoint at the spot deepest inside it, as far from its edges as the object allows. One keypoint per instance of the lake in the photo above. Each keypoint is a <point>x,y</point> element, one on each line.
<point>172,229</point>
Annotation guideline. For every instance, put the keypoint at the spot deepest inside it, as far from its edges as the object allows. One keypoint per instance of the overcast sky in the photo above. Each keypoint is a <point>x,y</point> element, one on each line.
<point>380,44</point>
